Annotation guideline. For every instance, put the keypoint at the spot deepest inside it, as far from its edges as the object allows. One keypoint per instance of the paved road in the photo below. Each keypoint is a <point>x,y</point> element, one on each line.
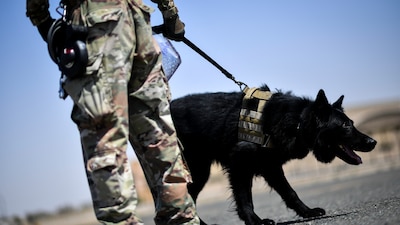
<point>366,200</point>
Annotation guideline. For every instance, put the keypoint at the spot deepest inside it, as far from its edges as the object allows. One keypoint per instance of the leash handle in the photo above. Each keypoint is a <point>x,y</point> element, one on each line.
<point>158,29</point>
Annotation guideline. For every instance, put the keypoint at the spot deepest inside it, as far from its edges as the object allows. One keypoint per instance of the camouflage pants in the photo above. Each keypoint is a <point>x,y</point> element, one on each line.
<point>124,96</point>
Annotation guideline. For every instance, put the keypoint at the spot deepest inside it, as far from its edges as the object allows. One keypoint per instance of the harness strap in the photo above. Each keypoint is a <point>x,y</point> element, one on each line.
<point>250,120</point>
<point>256,93</point>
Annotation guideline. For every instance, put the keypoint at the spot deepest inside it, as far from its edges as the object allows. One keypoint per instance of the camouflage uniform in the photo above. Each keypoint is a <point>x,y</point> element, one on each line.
<point>123,96</point>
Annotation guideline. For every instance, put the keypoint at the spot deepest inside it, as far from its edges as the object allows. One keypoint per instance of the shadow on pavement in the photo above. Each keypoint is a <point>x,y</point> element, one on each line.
<point>302,220</point>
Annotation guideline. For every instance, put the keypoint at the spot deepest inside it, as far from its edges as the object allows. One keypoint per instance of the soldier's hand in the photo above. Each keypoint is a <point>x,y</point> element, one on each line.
<point>173,28</point>
<point>37,11</point>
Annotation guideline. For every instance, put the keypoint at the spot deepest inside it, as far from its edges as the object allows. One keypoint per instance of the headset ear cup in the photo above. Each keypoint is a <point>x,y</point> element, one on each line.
<point>74,59</point>
<point>67,48</point>
<point>56,40</point>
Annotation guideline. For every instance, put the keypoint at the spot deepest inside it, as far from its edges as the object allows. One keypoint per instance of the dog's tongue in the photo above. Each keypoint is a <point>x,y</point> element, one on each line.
<point>349,156</point>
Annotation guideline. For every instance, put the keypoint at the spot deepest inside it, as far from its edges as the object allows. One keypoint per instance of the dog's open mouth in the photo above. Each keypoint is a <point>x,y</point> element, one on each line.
<point>348,155</point>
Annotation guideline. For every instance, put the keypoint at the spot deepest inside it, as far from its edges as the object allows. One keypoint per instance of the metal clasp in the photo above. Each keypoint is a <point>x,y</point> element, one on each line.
<point>62,10</point>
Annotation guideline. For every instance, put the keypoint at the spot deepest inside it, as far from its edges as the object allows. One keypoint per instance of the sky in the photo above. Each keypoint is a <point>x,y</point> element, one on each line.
<point>346,47</point>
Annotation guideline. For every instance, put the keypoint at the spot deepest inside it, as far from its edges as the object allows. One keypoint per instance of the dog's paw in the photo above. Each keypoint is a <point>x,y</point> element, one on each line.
<point>315,212</point>
<point>267,222</point>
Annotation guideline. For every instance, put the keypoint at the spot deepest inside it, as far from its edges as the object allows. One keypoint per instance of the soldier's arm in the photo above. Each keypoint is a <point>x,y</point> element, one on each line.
<point>167,7</point>
<point>38,13</point>
<point>173,27</point>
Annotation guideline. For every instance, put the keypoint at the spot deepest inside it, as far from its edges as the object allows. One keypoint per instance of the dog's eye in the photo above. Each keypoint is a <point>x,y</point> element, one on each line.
<point>347,125</point>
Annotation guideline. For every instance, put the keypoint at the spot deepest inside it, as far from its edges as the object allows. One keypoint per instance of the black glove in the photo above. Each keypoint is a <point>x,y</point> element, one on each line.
<point>37,11</point>
<point>173,28</point>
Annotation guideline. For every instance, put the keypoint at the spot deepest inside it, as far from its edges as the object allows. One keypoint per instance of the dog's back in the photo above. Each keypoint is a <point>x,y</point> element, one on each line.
<point>207,123</point>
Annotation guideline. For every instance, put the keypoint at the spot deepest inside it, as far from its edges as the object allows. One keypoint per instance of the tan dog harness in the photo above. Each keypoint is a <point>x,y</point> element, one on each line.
<point>250,120</point>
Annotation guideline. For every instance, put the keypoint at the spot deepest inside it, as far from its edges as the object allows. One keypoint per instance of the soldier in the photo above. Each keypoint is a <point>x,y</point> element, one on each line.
<point>123,95</point>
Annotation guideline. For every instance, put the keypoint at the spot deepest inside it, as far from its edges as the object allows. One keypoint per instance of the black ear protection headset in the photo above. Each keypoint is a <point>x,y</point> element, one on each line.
<point>67,48</point>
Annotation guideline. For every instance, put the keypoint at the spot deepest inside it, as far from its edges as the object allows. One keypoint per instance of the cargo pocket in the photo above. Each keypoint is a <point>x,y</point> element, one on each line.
<point>101,23</point>
<point>104,180</point>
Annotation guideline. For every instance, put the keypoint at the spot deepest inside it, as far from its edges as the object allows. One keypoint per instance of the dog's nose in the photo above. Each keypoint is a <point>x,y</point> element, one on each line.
<point>371,142</point>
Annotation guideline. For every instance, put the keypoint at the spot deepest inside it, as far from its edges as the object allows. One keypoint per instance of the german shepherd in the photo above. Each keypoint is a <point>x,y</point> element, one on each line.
<point>207,126</point>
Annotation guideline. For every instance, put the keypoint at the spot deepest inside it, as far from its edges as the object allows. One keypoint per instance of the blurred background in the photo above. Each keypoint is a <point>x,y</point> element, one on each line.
<point>349,48</point>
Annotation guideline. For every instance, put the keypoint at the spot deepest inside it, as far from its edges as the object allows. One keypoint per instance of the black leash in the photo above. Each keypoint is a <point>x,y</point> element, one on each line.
<point>158,29</point>
<point>213,62</point>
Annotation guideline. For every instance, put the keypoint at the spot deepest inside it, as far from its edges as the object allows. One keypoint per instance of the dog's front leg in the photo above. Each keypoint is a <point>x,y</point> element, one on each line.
<point>277,180</point>
<point>241,184</point>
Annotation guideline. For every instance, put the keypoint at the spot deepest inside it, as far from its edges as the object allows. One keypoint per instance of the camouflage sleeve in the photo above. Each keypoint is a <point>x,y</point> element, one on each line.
<point>167,7</point>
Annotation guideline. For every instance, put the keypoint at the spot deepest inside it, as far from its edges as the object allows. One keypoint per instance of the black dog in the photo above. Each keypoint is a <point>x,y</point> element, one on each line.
<point>207,125</point>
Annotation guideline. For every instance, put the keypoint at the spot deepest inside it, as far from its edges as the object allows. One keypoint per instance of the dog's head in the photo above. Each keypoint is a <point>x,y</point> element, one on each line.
<point>335,133</point>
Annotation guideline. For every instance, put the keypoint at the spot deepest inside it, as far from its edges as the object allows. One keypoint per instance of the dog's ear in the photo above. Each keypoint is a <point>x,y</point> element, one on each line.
<point>338,103</point>
<point>321,105</point>
<point>321,99</point>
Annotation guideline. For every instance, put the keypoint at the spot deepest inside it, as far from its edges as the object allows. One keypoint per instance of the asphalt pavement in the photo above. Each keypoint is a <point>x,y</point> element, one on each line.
<point>372,199</point>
